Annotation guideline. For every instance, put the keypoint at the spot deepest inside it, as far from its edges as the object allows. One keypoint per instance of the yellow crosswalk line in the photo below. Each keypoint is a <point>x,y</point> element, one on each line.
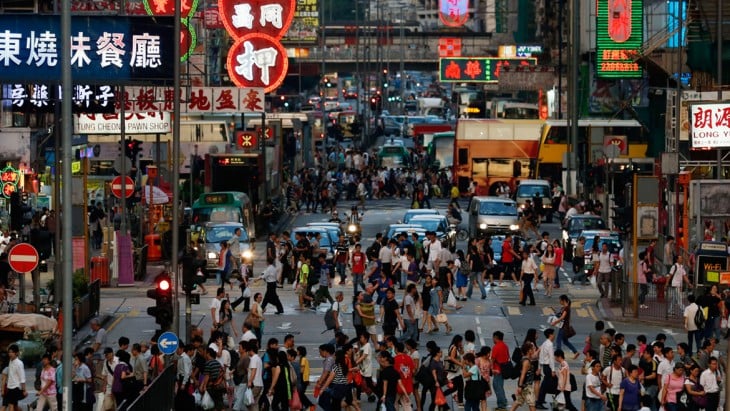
<point>547,311</point>
<point>582,312</point>
<point>514,311</point>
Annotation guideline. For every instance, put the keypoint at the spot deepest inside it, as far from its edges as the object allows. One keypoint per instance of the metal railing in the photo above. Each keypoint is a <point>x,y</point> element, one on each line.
<point>159,395</point>
<point>656,302</point>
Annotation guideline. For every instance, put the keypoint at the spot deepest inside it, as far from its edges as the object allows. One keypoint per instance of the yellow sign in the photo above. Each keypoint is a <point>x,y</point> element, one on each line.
<point>713,276</point>
<point>75,167</point>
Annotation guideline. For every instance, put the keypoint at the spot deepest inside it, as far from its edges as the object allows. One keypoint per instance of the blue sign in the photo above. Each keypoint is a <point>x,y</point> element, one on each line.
<point>104,49</point>
<point>168,342</point>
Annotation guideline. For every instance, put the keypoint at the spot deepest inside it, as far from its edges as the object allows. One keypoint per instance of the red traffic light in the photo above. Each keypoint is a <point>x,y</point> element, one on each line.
<point>164,285</point>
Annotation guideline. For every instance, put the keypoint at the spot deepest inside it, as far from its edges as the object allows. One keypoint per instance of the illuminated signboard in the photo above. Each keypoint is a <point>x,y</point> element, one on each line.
<point>477,69</point>
<point>217,198</point>
<point>710,125</point>
<point>9,178</point>
<point>257,58</point>
<point>305,26</point>
<point>453,13</point>
<point>42,98</point>
<point>104,49</point>
<point>619,34</point>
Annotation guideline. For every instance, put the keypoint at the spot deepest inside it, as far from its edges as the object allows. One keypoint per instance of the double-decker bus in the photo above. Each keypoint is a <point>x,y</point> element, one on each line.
<point>441,150</point>
<point>621,140</point>
<point>491,151</point>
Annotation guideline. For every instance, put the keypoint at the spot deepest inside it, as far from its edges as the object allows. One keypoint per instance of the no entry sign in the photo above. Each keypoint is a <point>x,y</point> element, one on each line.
<point>117,187</point>
<point>23,258</point>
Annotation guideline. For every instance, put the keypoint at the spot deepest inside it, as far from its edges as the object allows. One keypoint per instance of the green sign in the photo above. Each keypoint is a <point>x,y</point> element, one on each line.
<point>477,69</point>
<point>619,35</point>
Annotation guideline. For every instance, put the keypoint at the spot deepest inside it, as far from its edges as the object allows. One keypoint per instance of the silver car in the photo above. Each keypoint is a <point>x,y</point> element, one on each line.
<point>492,215</point>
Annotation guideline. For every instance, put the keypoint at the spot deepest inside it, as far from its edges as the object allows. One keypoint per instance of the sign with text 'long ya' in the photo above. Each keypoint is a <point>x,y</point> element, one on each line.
<point>104,49</point>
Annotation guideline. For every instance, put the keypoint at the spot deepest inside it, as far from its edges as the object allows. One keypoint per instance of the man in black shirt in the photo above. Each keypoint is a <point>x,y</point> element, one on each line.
<point>391,314</point>
<point>388,380</point>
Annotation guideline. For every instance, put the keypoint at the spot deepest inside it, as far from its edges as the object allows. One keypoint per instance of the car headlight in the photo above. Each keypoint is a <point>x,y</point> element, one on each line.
<point>247,255</point>
<point>352,228</point>
<point>212,255</point>
<point>514,227</point>
<point>483,226</point>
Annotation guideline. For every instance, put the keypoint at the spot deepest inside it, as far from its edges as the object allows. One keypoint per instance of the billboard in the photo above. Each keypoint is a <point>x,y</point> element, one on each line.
<point>710,125</point>
<point>104,50</point>
<point>477,69</point>
<point>453,13</point>
<point>305,26</point>
<point>619,35</point>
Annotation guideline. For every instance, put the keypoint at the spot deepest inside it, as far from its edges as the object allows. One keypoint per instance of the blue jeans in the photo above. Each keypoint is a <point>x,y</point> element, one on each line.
<point>562,339</point>
<point>675,298</point>
<point>498,388</point>
<point>594,404</point>
<point>471,405</point>
<point>411,331</point>
<point>696,337</point>
<point>475,278</point>
<point>341,267</point>
<point>357,279</point>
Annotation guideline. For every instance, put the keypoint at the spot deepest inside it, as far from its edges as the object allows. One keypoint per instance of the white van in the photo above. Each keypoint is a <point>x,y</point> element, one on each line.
<point>527,189</point>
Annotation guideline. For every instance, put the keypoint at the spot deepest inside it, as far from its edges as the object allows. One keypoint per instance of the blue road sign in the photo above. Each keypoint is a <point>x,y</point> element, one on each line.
<point>168,342</point>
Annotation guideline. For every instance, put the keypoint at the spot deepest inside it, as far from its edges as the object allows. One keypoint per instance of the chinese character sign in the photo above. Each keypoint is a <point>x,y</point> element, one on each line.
<point>257,60</point>
<point>270,17</point>
<point>9,178</point>
<point>41,98</point>
<point>453,13</point>
<point>710,125</point>
<point>305,26</point>
<point>103,49</point>
<point>478,69</point>
<point>188,36</point>
<point>619,35</point>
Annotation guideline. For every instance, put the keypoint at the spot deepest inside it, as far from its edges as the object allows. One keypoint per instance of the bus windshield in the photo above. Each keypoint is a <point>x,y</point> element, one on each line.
<point>529,190</point>
<point>498,208</point>
<point>222,214</point>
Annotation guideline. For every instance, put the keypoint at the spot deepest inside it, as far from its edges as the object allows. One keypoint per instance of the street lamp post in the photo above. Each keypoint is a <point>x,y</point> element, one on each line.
<point>402,61</point>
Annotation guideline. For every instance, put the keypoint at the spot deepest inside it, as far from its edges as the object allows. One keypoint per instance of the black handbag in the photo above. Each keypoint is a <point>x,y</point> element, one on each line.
<point>474,390</point>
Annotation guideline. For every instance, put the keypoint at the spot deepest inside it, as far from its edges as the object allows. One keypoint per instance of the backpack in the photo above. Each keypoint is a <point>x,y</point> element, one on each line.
<point>329,320</point>
<point>424,375</point>
<point>700,318</point>
<point>517,355</point>
<point>235,358</point>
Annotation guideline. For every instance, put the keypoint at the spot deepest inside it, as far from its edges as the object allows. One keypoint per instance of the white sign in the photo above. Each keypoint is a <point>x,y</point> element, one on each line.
<point>198,99</point>
<point>710,125</point>
<point>135,123</point>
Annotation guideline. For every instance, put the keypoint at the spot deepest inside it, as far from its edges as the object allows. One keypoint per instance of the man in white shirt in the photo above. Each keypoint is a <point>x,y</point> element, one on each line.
<point>710,381</point>
<point>215,307</point>
<point>677,277</point>
<point>594,397</point>
<point>247,334</point>
<point>612,377</point>
<point>16,379</point>
<point>666,364</point>
<point>547,367</point>
<point>255,373</point>
<point>409,314</point>
<point>107,374</point>
<point>432,246</point>
<point>386,259</point>
<point>693,333</point>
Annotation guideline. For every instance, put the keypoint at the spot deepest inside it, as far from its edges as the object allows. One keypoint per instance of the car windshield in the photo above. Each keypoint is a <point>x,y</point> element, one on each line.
<point>529,190</point>
<point>579,224</point>
<point>216,234</point>
<point>429,225</point>
<point>216,214</point>
<point>410,214</point>
<point>614,244</point>
<point>498,208</point>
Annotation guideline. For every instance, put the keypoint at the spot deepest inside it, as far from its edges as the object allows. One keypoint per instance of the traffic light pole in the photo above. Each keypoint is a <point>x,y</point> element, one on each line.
<point>123,166</point>
<point>176,169</point>
<point>188,302</point>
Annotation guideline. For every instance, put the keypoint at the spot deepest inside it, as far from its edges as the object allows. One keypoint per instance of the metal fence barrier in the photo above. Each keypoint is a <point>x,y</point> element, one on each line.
<point>159,395</point>
<point>656,302</point>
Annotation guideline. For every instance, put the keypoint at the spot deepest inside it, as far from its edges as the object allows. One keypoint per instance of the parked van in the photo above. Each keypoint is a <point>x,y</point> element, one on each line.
<point>492,215</point>
<point>527,189</point>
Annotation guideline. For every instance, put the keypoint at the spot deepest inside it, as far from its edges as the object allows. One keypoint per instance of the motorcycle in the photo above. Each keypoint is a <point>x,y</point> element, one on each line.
<point>352,227</point>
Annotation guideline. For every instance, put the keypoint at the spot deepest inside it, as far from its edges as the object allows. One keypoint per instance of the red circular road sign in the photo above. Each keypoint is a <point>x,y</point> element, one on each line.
<point>257,60</point>
<point>117,187</point>
<point>23,258</point>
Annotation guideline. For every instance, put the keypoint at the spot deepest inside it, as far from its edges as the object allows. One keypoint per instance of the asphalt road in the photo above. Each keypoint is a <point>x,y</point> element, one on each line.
<point>499,311</point>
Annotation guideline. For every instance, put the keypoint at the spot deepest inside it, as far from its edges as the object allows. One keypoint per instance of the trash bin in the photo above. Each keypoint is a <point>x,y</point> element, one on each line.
<point>154,247</point>
<point>100,270</point>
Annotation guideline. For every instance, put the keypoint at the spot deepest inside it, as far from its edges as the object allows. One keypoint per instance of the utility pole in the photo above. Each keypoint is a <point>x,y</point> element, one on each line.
<point>573,115</point>
<point>176,172</point>
<point>402,63</point>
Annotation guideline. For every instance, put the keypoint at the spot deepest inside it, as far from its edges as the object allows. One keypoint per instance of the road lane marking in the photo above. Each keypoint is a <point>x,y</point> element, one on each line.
<point>547,311</point>
<point>592,313</point>
<point>581,312</point>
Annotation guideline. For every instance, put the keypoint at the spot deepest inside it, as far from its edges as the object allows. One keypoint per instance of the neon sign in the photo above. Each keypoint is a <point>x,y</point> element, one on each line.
<point>477,69</point>
<point>619,32</point>
<point>453,13</point>
<point>9,178</point>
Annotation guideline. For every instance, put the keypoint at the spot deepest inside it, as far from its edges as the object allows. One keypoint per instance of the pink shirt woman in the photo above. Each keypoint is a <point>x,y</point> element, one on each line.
<point>673,383</point>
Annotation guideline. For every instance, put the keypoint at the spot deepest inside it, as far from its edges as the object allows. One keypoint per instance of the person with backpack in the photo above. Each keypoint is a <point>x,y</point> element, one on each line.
<point>611,378</point>
<point>694,333</point>
<point>677,277</point>
<point>525,393</point>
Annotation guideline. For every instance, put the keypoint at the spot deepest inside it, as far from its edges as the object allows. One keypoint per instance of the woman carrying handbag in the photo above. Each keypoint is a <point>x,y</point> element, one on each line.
<point>453,365</point>
<point>566,331</point>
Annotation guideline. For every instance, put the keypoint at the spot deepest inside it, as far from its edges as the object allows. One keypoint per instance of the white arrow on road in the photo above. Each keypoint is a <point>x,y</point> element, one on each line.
<point>167,343</point>
<point>669,331</point>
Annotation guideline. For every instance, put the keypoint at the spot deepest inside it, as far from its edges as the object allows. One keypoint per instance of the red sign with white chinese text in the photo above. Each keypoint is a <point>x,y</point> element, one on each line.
<point>269,17</point>
<point>212,18</point>
<point>257,60</point>
<point>247,140</point>
<point>710,125</point>
<point>453,13</point>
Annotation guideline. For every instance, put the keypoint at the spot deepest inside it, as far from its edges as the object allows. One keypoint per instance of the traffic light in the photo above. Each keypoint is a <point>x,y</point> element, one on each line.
<point>375,103</point>
<point>623,218</point>
<point>162,294</point>
<point>132,149</point>
<point>192,274</point>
